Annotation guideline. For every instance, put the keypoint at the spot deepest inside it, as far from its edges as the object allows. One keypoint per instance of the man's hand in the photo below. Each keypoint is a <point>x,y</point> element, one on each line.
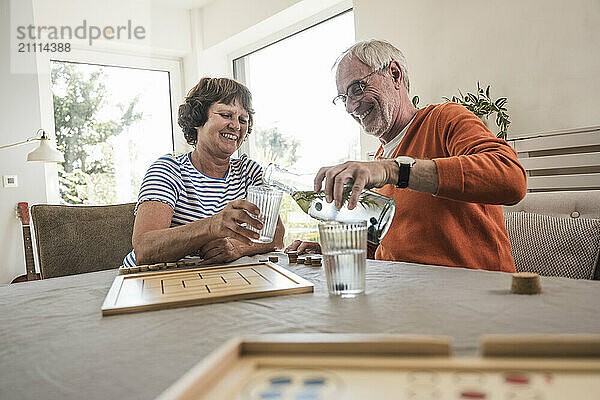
<point>227,222</point>
<point>362,174</point>
<point>222,250</point>
<point>304,247</point>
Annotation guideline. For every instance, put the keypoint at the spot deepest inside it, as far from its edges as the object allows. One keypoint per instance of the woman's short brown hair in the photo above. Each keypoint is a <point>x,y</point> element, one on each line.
<point>194,110</point>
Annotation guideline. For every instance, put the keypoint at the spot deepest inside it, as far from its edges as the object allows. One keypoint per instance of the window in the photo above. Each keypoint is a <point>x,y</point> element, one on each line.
<point>111,123</point>
<point>296,125</point>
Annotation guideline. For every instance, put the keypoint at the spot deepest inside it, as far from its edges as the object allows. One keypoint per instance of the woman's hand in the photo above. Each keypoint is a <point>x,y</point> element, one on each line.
<point>304,247</point>
<point>222,250</point>
<point>227,222</point>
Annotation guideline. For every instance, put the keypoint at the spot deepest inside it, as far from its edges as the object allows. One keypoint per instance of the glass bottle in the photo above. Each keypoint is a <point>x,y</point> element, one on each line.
<point>376,209</point>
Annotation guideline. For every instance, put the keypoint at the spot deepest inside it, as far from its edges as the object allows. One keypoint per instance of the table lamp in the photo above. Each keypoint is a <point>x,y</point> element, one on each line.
<point>44,152</point>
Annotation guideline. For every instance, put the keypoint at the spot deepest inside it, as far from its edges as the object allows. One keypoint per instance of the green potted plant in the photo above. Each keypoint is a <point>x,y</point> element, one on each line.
<point>481,104</point>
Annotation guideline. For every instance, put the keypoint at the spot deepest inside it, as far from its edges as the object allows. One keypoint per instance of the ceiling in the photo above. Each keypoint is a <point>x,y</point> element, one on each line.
<point>182,4</point>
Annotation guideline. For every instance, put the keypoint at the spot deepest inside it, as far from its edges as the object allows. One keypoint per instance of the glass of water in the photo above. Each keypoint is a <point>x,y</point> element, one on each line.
<point>344,247</point>
<point>268,200</point>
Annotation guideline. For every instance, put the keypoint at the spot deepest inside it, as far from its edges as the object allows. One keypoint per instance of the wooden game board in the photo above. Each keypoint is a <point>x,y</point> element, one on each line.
<point>353,367</point>
<point>185,287</point>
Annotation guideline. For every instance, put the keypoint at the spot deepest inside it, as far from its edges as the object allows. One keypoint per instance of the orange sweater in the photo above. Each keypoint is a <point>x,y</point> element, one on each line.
<point>462,225</point>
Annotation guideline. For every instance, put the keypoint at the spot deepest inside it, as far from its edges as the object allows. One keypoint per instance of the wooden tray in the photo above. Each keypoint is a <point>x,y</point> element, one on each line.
<point>353,367</point>
<point>185,287</point>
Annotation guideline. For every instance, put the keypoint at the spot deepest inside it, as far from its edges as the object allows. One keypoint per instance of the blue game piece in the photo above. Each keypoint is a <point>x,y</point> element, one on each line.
<point>271,395</point>
<point>281,380</point>
<point>307,396</point>
<point>314,381</point>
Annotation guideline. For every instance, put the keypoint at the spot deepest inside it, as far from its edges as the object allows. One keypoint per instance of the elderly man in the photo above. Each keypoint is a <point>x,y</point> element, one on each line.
<point>447,172</point>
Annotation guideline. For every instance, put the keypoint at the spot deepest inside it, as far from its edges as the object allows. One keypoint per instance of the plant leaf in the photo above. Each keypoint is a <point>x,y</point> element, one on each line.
<point>500,102</point>
<point>415,101</point>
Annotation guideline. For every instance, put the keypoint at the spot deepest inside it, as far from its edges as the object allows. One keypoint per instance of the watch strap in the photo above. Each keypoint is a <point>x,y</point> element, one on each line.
<point>403,175</point>
<point>405,163</point>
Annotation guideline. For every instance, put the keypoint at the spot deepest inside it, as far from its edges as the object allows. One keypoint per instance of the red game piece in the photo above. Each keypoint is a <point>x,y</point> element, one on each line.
<point>472,394</point>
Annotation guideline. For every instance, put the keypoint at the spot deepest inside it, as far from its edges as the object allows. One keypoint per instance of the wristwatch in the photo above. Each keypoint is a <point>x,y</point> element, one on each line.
<point>405,163</point>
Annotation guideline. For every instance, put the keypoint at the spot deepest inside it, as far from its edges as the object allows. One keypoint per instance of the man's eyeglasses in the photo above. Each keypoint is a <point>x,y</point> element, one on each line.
<point>355,91</point>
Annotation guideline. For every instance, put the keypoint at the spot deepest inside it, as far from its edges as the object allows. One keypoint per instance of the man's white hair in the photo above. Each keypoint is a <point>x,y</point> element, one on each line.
<point>376,54</point>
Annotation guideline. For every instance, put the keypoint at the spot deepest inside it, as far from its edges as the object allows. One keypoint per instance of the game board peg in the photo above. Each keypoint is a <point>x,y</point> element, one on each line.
<point>526,283</point>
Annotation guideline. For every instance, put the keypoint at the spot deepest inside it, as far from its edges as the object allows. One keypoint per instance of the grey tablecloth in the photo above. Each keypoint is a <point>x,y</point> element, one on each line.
<point>55,344</point>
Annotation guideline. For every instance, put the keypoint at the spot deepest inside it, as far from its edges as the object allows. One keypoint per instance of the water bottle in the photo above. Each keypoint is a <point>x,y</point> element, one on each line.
<point>376,209</point>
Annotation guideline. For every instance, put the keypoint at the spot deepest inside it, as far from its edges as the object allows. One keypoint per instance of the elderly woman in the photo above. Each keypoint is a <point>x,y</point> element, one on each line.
<point>194,203</point>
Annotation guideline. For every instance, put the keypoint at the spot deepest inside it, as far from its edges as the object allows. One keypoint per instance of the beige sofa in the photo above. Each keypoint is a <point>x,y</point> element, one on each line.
<point>556,233</point>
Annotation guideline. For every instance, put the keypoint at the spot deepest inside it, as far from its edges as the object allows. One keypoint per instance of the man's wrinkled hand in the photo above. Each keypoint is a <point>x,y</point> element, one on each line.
<point>361,174</point>
<point>304,247</point>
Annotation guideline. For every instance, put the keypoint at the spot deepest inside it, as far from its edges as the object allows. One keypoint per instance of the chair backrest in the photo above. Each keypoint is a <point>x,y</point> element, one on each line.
<point>77,239</point>
<point>556,233</point>
<point>567,204</point>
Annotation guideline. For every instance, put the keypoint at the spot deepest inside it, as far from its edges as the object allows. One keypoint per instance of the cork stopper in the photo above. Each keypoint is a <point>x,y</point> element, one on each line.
<point>526,283</point>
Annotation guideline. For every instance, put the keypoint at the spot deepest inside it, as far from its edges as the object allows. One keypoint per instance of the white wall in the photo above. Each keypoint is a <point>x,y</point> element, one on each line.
<point>226,18</point>
<point>541,54</point>
<point>19,119</point>
<point>251,25</point>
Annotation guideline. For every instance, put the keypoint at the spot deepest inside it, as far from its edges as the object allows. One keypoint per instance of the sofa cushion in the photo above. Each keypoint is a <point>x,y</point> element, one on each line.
<point>554,246</point>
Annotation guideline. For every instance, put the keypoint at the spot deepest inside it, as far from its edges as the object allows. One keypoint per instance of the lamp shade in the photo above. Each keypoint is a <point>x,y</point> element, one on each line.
<point>45,153</point>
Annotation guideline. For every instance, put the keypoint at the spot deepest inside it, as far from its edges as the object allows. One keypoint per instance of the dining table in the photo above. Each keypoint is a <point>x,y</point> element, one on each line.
<point>55,342</point>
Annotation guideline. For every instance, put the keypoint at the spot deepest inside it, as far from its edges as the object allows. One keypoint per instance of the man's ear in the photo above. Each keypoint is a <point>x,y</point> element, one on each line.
<point>396,72</point>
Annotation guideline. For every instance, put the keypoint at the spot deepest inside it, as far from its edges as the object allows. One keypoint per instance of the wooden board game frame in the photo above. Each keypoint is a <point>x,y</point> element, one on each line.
<point>225,371</point>
<point>284,282</point>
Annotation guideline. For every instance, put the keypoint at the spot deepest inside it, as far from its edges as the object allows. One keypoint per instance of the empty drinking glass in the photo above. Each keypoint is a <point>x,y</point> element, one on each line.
<point>268,200</point>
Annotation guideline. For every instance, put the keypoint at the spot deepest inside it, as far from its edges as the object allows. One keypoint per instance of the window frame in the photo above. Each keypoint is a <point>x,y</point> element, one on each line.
<point>237,59</point>
<point>172,65</point>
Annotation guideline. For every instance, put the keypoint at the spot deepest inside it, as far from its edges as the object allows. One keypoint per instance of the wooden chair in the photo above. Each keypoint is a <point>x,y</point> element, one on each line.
<point>77,239</point>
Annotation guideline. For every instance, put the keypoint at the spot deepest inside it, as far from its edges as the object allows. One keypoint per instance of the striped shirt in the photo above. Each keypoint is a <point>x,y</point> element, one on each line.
<point>174,180</point>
